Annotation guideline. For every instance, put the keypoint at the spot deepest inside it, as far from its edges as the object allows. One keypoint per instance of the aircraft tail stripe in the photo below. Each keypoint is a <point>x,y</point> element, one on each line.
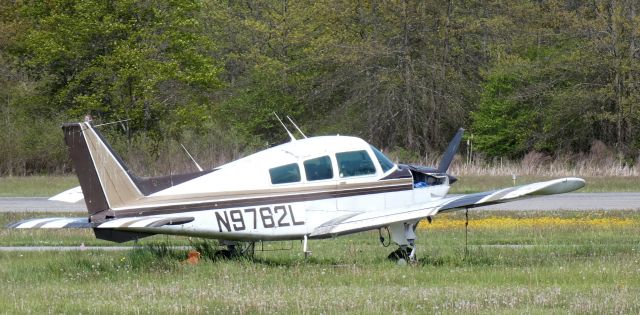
<point>94,196</point>
<point>79,225</point>
<point>56,224</point>
<point>51,223</point>
<point>41,224</point>
<point>31,223</point>
<point>13,225</point>
<point>16,225</point>
<point>105,180</point>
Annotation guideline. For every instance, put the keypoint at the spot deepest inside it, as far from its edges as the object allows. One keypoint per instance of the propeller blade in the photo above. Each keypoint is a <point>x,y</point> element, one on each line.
<point>452,149</point>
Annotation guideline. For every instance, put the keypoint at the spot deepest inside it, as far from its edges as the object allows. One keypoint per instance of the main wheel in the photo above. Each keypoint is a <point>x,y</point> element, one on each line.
<point>400,253</point>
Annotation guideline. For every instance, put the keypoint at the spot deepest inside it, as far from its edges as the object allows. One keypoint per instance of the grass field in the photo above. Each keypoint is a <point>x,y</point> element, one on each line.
<point>47,186</point>
<point>35,186</point>
<point>517,262</point>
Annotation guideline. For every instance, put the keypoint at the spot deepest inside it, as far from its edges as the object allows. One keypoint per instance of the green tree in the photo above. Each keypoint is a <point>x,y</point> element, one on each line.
<point>581,66</point>
<point>27,143</point>
<point>504,123</point>
<point>267,69</point>
<point>146,61</point>
<point>400,74</point>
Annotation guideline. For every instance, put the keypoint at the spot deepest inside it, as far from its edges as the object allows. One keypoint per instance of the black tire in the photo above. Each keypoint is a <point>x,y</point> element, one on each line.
<point>398,254</point>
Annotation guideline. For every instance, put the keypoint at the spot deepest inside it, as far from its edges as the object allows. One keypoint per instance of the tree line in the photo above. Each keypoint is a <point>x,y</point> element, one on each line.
<point>549,76</point>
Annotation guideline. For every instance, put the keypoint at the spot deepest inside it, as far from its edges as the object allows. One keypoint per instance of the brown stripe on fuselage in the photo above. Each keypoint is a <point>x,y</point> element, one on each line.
<point>157,201</point>
<point>293,196</point>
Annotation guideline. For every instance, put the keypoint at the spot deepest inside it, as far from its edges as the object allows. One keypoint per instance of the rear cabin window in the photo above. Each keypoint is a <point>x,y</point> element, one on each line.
<point>319,168</point>
<point>385,163</point>
<point>355,163</point>
<point>289,173</point>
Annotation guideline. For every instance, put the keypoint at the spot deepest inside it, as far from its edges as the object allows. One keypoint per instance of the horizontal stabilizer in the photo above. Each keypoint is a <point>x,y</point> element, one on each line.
<point>52,223</point>
<point>125,223</point>
<point>72,195</point>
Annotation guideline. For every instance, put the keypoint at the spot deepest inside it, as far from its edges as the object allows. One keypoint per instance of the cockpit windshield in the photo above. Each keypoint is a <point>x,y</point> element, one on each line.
<point>384,161</point>
<point>355,163</point>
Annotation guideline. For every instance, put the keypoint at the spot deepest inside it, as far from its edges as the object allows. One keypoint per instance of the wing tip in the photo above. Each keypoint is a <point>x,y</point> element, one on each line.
<point>573,183</point>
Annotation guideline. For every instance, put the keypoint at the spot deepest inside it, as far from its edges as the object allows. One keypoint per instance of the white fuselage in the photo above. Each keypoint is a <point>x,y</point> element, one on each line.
<point>259,209</point>
<point>289,221</point>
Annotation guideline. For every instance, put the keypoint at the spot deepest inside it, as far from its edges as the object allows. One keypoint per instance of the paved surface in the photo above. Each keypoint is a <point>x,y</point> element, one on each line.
<point>572,201</point>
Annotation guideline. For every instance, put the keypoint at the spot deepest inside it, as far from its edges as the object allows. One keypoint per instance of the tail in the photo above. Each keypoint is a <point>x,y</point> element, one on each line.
<point>107,184</point>
<point>105,180</point>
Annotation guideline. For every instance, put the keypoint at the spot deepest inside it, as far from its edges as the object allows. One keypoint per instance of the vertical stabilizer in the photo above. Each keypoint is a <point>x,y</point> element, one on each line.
<point>104,179</point>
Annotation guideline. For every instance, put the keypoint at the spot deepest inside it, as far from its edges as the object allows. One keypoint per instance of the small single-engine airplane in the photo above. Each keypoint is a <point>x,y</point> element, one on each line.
<point>311,188</point>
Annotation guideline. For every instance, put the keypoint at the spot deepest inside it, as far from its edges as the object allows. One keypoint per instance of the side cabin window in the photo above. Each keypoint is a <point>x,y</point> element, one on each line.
<point>318,168</point>
<point>355,163</point>
<point>289,173</point>
<point>385,163</point>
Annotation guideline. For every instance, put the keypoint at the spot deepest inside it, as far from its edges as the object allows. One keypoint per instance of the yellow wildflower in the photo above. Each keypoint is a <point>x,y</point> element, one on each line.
<point>446,222</point>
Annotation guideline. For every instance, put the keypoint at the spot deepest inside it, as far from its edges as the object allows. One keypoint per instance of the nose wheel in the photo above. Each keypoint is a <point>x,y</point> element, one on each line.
<point>403,234</point>
<point>403,255</point>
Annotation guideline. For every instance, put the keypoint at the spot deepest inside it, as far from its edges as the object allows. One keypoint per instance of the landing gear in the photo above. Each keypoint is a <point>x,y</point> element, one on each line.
<point>404,235</point>
<point>305,248</point>
<point>235,250</point>
<point>408,253</point>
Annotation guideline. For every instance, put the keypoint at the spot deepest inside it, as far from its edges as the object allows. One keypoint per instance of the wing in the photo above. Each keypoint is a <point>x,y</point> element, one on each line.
<point>364,221</point>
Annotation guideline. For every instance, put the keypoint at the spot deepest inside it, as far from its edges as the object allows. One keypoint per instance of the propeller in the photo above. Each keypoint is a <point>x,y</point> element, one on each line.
<point>446,160</point>
<point>452,149</point>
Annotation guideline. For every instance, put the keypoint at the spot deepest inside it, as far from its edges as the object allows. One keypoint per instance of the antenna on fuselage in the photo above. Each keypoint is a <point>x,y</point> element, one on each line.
<point>297,128</point>
<point>191,157</point>
<point>285,128</point>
